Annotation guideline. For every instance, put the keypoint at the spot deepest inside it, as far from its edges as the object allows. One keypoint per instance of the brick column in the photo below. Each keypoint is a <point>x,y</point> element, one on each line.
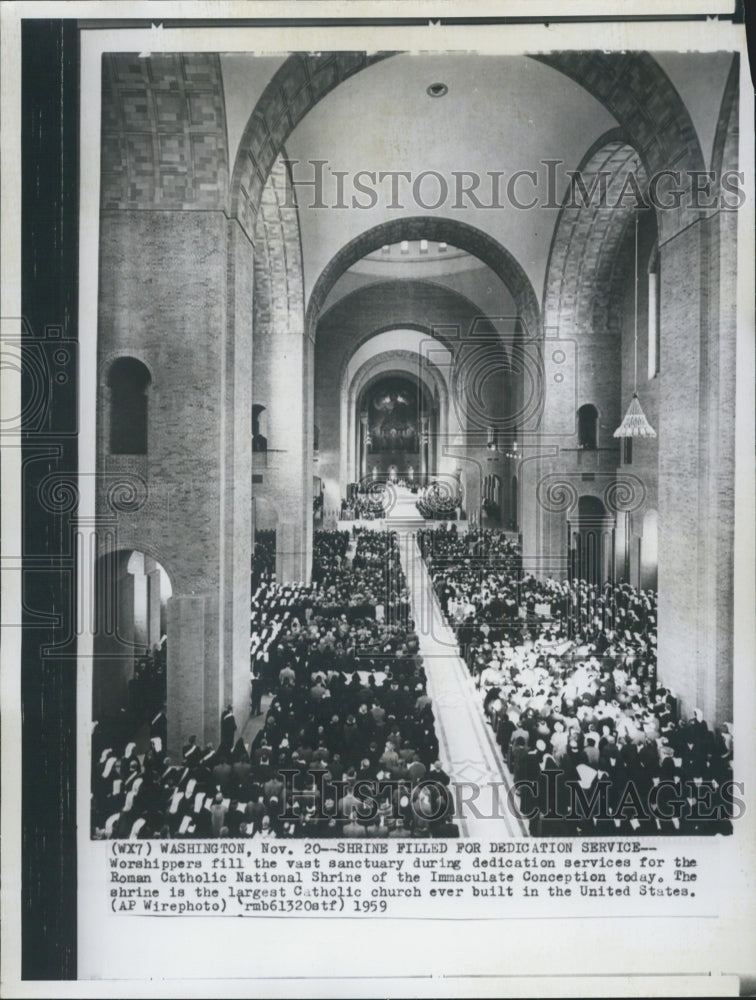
<point>363,445</point>
<point>423,448</point>
<point>236,527</point>
<point>288,555</point>
<point>696,455</point>
<point>281,384</point>
<point>153,607</point>
<point>186,673</point>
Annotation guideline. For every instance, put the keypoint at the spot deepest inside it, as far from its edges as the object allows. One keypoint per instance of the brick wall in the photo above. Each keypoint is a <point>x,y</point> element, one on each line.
<point>175,292</point>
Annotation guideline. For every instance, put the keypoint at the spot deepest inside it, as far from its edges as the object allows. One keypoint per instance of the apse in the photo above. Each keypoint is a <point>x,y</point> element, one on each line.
<point>393,413</point>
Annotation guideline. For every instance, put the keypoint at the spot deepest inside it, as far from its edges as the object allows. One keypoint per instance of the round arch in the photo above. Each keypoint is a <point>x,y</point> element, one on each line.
<point>631,85</point>
<point>131,592</point>
<point>724,155</point>
<point>297,86</point>
<point>459,234</point>
<point>582,268</point>
<point>409,304</point>
<point>648,108</point>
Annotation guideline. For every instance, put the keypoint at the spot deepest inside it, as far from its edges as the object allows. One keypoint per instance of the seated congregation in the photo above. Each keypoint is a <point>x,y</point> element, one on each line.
<point>348,746</point>
<point>567,674</point>
<point>342,740</point>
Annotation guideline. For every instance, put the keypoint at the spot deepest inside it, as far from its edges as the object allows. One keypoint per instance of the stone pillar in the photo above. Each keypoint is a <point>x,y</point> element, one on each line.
<point>153,607</point>
<point>287,553</point>
<point>281,380</point>
<point>696,461</point>
<point>186,673</point>
<point>236,528</point>
<point>141,610</point>
<point>363,444</point>
<point>423,447</point>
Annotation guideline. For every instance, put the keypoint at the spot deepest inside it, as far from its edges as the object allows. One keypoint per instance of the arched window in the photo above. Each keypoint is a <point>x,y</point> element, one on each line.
<point>654,316</point>
<point>259,440</point>
<point>588,427</point>
<point>128,380</point>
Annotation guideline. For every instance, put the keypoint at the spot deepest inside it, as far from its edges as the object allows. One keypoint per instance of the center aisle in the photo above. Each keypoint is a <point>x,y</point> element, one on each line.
<point>469,753</point>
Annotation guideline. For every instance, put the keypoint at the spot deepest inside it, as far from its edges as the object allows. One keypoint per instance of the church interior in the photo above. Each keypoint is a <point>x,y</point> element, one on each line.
<point>415,438</point>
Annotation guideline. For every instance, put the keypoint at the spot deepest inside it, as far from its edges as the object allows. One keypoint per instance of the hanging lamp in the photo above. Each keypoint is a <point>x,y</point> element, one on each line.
<point>635,423</point>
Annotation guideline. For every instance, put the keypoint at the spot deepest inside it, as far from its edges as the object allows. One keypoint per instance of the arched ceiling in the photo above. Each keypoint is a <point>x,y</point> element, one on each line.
<point>700,82</point>
<point>501,113</point>
<point>455,269</point>
<point>422,350</point>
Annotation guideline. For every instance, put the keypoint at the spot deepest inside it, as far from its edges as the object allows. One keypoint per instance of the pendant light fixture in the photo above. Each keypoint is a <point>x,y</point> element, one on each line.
<point>635,423</point>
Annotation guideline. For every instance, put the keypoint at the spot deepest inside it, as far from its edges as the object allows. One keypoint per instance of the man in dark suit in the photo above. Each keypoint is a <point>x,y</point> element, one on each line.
<point>228,728</point>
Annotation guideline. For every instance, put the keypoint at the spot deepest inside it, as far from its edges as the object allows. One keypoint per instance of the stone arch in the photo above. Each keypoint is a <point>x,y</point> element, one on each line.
<point>279,277</point>
<point>645,103</point>
<point>401,304</point>
<point>128,381</point>
<point>404,303</point>
<point>451,231</point>
<point>590,530</point>
<point>724,155</point>
<point>403,361</point>
<point>588,424</point>
<point>129,618</point>
<point>109,544</point>
<point>281,367</point>
<point>585,267</point>
<point>295,88</point>
<point>122,461</point>
<point>630,85</point>
<point>106,363</point>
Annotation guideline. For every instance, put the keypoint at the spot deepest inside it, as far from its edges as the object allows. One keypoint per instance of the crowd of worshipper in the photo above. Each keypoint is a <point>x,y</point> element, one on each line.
<point>147,685</point>
<point>263,556</point>
<point>369,506</point>
<point>347,748</point>
<point>372,578</point>
<point>567,673</point>
<point>436,502</point>
<point>145,693</point>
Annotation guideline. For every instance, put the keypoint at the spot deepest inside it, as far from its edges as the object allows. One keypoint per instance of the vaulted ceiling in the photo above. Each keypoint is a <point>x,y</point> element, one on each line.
<point>499,114</point>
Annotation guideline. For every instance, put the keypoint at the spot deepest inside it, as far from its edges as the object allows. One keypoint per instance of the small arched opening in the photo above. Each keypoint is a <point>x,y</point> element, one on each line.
<point>588,427</point>
<point>130,646</point>
<point>128,381</point>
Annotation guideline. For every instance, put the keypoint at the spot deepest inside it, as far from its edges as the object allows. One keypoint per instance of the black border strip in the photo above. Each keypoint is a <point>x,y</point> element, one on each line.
<point>49,302</point>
